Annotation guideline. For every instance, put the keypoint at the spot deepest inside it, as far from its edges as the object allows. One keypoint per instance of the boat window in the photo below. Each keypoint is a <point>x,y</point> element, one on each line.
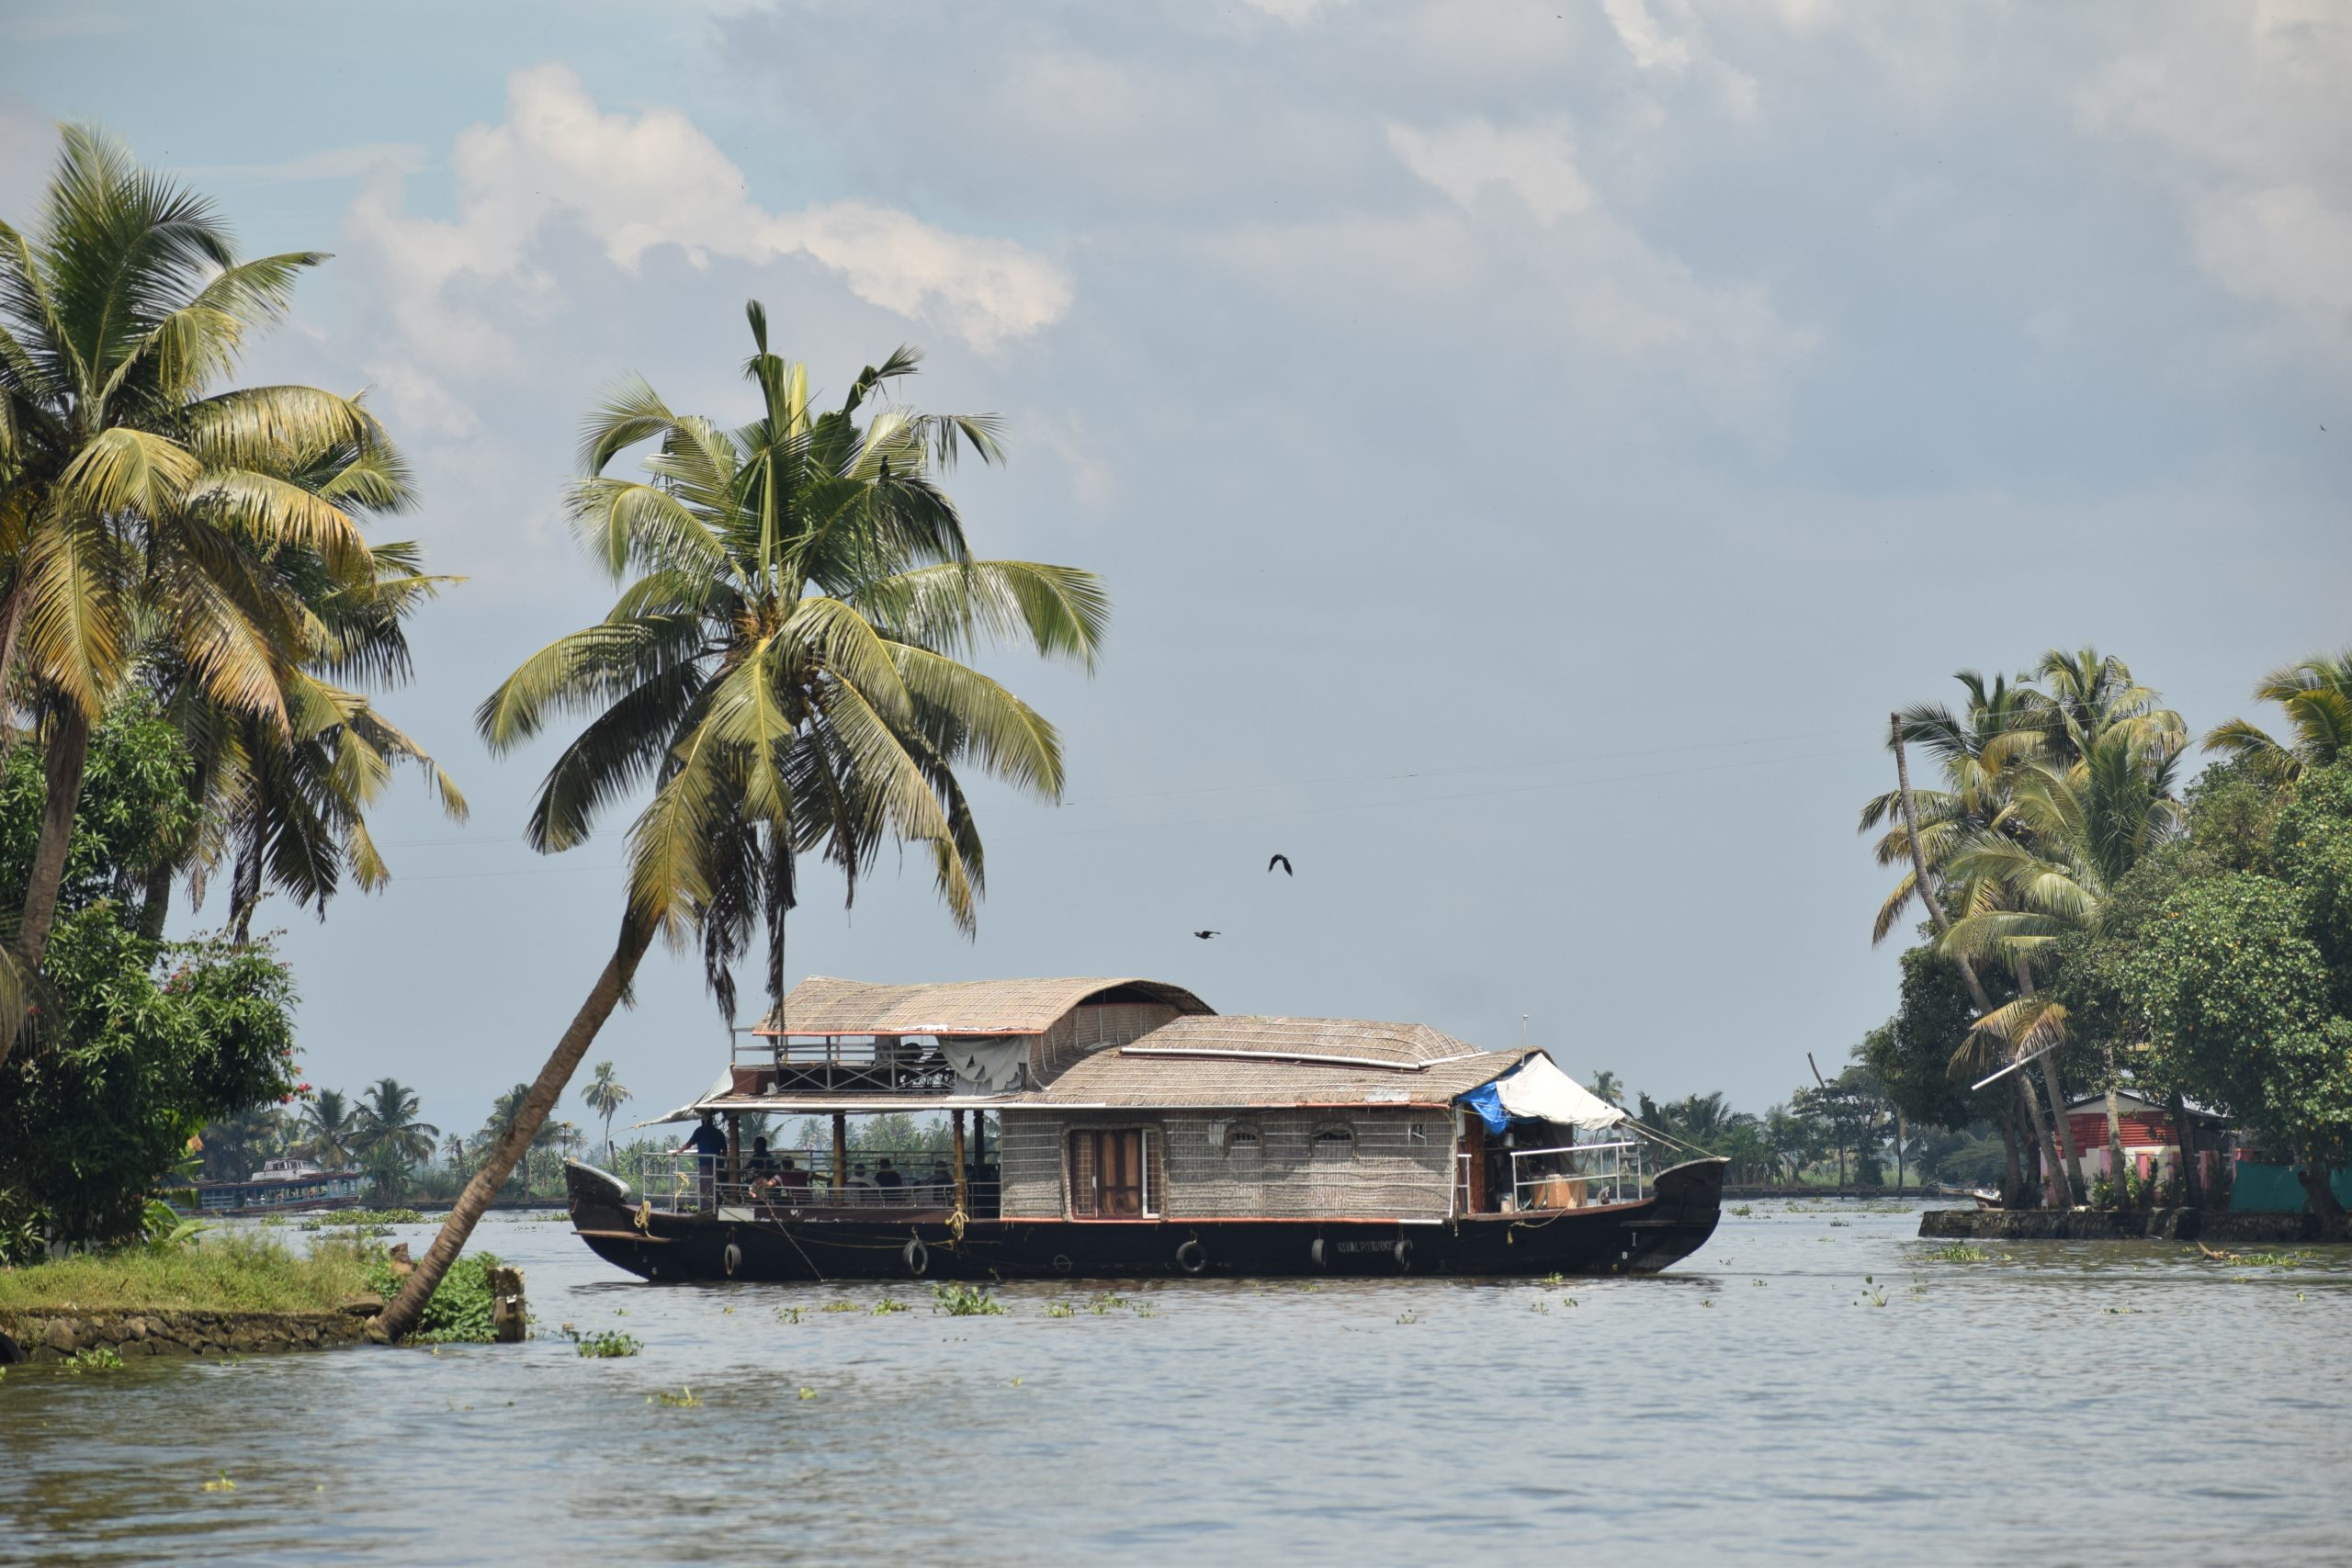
<point>1335,1143</point>
<point>1417,1132</point>
<point>1240,1140</point>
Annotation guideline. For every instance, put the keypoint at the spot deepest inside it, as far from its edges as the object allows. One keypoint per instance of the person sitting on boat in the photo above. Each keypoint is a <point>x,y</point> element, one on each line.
<point>760,1168</point>
<point>941,1181</point>
<point>710,1143</point>
<point>887,1175</point>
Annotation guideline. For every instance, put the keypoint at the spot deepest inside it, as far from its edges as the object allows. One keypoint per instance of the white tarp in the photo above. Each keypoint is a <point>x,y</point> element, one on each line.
<point>986,1065</point>
<point>724,1084</point>
<point>1538,1089</point>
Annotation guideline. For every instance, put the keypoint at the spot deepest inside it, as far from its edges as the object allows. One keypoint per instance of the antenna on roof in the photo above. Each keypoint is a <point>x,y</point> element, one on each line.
<point>1523,1032</point>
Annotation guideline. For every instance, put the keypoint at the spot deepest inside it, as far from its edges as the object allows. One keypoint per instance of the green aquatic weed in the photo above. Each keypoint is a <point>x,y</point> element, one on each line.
<point>965,1300</point>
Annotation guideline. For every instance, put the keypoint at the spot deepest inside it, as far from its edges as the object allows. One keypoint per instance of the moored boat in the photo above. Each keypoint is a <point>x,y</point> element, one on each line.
<point>1137,1134</point>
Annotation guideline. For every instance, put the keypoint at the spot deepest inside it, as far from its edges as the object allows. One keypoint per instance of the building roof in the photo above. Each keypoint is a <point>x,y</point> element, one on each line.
<point>1233,1062</point>
<point>2132,1103</point>
<point>821,1005</point>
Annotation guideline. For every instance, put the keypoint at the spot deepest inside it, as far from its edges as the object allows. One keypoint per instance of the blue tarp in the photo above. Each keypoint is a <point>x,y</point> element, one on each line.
<point>1487,1100</point>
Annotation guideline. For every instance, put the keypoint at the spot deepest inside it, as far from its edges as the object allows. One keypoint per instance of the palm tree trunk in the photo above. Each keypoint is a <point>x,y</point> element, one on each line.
<point>69,754</point>
<point>2319,1197</point>
<point>2053,1173</point>
<point>2075,1188</point>
<point>401,1317</point>
<point>11,619</point>
<point>2114,1129</point>
<point>2192,1179</point>
<point>155,902</point>
<point>2013,1180</point>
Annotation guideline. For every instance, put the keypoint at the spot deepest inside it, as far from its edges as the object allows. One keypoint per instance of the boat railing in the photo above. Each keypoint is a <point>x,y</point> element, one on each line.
<point>808,1185</point>
<point>834,1064</point>
<point>1572,1175</point>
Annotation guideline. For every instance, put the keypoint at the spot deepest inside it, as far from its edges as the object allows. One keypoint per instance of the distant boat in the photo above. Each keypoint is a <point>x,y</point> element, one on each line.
<point>289,1184</point>
<point>1140,1133</point>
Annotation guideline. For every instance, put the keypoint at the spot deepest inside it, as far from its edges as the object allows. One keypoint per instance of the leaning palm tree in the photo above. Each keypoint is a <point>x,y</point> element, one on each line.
<point>129,482</point>
<point>1978,751</point>
<point>2317,695</point>
<point>2075,832</point>
<point>783,668</point>
<point>604,1095</point>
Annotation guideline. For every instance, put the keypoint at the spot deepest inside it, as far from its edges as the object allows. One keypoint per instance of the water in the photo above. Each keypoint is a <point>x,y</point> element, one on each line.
<point>2079,1403</point>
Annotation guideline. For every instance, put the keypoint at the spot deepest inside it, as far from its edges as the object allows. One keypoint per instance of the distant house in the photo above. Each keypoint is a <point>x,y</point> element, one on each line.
<point>2150,1143</point>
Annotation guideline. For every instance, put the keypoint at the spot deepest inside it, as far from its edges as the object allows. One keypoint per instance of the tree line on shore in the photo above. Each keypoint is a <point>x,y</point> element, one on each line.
<point>2092,922</point>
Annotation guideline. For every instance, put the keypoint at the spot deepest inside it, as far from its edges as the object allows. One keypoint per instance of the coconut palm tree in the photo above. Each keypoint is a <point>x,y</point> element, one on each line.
<point>131,485</point>
<point>1608,1086</point>
<point>2317,695</point>
<point>292,808</point>
<point>328,1129</point>
<point>783,668</point>
<point>604,1095</point>
<point>388,1121</point>
<point>2003,729</point>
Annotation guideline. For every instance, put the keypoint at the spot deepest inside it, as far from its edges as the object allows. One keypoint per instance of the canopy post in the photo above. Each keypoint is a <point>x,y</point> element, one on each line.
<point>734,1149</point>
<point>956,1120</point>
<point>841,1155</point>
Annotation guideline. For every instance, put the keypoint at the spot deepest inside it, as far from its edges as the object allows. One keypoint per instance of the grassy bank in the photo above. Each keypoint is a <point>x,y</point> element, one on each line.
<point>221,1273</point>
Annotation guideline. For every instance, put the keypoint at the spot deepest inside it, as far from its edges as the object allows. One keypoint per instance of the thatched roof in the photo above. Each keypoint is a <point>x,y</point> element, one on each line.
<point>821,1005</point>
<point>1235,1062</point>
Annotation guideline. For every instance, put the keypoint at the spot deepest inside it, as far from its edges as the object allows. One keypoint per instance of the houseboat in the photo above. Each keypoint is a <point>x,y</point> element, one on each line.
<point>1117,1128</point>
<point>287,1185</point>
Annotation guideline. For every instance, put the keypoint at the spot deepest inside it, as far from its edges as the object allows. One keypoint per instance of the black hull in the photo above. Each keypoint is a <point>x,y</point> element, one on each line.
<point>1616,1238</point>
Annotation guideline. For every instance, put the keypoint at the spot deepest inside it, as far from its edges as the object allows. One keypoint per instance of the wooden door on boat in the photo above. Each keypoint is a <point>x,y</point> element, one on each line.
<point>1106,1178</point>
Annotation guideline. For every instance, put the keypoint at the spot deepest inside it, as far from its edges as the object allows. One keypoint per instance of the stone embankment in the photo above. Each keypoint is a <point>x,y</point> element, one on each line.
<point>52,1334</point>
<point>2128,1224</point>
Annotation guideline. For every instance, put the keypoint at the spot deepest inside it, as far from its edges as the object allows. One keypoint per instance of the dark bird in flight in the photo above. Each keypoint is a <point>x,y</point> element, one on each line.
<point>1205,935</point>
<point>1282,861</point>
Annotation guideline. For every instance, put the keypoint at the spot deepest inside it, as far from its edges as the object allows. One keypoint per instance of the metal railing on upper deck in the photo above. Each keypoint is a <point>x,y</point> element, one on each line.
<point>852,1065</point>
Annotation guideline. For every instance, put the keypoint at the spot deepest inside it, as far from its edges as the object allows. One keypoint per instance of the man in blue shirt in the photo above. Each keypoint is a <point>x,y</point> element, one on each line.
<point>710,1143</point>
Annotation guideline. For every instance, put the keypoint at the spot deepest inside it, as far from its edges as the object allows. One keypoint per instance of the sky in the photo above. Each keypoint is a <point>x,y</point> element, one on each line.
<point>1530,447</point>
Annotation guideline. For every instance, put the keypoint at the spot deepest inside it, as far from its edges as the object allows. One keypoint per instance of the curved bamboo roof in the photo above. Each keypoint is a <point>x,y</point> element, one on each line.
<point>823,1005</point>
<point>1225,1062</point>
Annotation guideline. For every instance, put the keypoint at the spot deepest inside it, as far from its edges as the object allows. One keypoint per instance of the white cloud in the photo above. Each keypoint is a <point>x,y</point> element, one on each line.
<point>1296,12</point>
<point>2245,106</point>
<point>634,184</point>
<point>1652,46</point>
<point>1537,164</point>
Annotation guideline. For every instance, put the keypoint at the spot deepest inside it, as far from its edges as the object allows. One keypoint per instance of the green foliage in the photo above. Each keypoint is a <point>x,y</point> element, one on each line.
<point>608,1344</point>
<point>97,1359</point>
<point>965,1300</point>
<point>2238,1001</point>
<point>137,1043</point>
<point>363,1219</point>
<point>155,1040</point>
<point>135,810</point>
<point>684,1399</point>
<point>224,1272</point>
<point>458,1310</point>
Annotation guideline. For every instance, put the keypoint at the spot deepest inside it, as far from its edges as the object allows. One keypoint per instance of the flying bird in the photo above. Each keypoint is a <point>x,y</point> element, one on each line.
<point>1205,935</point>
<point>1282,861</point>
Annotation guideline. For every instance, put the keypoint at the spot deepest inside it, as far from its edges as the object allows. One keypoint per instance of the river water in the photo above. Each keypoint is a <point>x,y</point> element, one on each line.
<point>1814,1384</point>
